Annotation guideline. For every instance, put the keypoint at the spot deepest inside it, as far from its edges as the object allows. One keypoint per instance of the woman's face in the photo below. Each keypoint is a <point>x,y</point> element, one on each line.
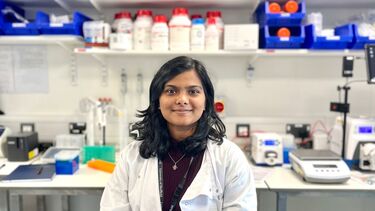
<point>182,101</point>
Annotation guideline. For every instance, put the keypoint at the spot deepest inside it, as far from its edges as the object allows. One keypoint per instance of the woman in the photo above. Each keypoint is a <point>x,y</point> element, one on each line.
<point>181,160</point>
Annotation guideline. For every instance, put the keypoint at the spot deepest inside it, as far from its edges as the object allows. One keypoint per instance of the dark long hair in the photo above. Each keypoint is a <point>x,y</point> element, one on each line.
<point>153,130</point>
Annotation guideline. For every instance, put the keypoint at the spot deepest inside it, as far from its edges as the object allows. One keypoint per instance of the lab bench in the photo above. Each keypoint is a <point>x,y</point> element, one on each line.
<point>285,182</point>
<point>86,181</point>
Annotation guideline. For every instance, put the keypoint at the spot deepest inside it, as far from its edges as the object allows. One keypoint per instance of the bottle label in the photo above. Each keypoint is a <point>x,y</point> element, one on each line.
<point>142,38</point>
<point>159,38</point>
<point>180,37</point>
<point>197,38</point>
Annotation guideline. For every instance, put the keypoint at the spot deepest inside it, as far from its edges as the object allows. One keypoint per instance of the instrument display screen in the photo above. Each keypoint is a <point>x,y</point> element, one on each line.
<point>324,166</point>
<point>269,142</point>
<point>365,129</point>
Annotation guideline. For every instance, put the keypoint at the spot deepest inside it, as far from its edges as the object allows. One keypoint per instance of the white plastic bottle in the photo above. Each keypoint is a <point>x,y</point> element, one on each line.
<point>142,30</point>
<point>122,38</point>
<point>212,36</point>
<point>219,24</point>
<point>160,34</point>
<point>197,34</point>
<point>179,30</point>
<point>123,23</point>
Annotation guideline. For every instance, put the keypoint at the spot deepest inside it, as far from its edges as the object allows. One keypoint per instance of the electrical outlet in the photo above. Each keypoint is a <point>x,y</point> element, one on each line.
<point>243,130</point>
<point>298,130</point>
<point>77,127</point>
<point>27,127</point>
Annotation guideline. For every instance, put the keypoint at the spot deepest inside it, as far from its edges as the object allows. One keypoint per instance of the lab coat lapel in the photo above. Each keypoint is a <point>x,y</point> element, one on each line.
<point>150,186</point>
<point>204,181</point>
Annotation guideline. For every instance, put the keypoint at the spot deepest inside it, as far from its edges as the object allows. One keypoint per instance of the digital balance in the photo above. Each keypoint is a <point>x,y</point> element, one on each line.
<point>319,166</point>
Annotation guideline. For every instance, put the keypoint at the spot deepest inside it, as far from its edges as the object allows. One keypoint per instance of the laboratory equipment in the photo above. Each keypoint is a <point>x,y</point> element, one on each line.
<point>64,143</point>
<point>75,141</point>
<point>319,166</point>
<point>4,133</point>
<point>370,58</point>
<point>22,146</point>
<point>267,149</point>
<point>358,131</point>
<point>88,106</point>
<point>367,156</point>
<point>49,155</point>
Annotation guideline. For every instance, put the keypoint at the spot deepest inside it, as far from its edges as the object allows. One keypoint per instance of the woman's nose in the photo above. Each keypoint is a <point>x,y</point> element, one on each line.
<point>182,99</point>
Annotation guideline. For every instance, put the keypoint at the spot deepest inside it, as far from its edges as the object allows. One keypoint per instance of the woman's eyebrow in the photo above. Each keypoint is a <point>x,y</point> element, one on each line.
<point>194,86</point>
<point>188,87</point>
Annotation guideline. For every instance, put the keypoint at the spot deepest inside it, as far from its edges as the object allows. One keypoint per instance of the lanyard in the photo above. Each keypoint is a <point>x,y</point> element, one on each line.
<point>180,186</point>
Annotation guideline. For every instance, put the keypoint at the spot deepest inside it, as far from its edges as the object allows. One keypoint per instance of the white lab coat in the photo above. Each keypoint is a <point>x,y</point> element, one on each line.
<point>224,182</point>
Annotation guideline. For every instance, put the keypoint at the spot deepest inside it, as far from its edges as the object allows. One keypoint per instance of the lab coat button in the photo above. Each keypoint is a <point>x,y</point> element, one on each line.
<point>217,190</point>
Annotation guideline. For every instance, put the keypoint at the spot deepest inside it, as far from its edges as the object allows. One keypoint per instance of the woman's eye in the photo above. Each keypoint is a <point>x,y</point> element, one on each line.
<point>194,92</point>
<point>170,91</point>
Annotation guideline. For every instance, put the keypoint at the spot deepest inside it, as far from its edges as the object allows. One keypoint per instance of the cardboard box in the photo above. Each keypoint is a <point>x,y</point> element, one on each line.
<point>241,36</point>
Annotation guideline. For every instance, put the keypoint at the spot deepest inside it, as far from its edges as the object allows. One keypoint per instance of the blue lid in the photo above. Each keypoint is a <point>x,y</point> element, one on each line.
<point>198,21</point>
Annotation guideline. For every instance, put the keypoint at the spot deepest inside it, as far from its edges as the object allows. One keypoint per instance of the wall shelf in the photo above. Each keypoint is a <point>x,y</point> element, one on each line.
<point>68,40</point>
<point>109,52</point>
<point>99,5</point>
<point>341,4</point>
<point>310,53</point>
<point>174,3</point>
<point>248,53</point>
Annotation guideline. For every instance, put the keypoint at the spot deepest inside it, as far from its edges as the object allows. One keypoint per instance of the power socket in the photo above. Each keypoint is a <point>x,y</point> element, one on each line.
<point>243,130</point>
<point>27,127</point>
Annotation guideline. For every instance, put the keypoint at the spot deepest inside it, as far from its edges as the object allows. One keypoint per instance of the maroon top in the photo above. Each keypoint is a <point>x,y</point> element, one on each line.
<point>171,178</point>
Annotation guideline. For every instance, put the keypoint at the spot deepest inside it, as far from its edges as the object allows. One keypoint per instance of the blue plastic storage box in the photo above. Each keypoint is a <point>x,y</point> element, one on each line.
<point>72,28</point>
<point>9,24</point>
<point>269,39</point>
<point>67,162</point>
<point>9,17</point>
<point>20,29</point>
<point>264,17</point>
<point>358,40</point>
<point>343,37</point>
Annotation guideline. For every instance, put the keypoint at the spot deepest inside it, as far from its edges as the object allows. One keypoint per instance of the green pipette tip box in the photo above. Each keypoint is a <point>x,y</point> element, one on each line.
<point>106,153</point>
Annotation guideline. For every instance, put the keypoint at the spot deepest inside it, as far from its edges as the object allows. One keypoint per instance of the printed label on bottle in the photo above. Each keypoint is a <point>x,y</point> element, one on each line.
<point>197,38</point>
<point>180,38</point>
<point>142,38</point>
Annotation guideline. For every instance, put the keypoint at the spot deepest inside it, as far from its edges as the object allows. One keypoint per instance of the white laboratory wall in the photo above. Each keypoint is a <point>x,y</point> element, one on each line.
<point>291,89</point>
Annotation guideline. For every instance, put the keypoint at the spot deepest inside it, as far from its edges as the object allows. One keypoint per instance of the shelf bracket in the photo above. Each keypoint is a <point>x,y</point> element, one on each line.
<point>104,69</point>
<point>98,8</point>
<point>68,48</point>
<point>73,63</point>
<point>253,58</point>
<point>73,70</point>
<point>104,74</point>
<point>64,5</point>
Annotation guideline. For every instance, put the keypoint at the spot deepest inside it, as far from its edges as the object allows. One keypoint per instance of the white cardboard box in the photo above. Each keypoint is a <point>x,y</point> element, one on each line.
<point>241,36</point>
